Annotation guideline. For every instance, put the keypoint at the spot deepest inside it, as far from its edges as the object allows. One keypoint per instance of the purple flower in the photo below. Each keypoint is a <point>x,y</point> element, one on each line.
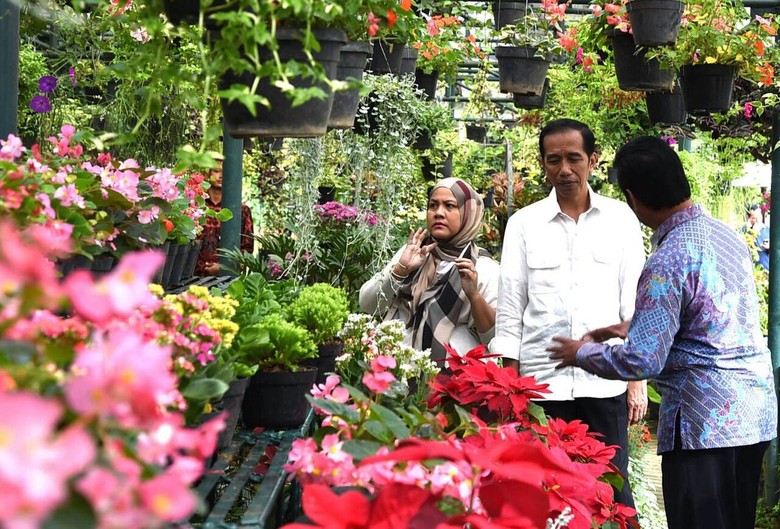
<point>40,104</point>
<point>47,84</point>
<point>72,74</point>
<point>669,139</point>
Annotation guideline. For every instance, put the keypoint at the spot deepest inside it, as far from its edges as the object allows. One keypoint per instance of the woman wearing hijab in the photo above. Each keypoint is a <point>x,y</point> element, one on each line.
<point>441,284</point>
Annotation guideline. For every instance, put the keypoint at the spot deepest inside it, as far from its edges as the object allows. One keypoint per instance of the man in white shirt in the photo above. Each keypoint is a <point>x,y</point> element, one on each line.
<point>570,263</point>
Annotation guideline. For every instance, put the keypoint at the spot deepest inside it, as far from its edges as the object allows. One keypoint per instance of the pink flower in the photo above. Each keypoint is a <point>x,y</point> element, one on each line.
<point>167,498</point>
<point>120,292</point>
<point>68,195</point>
<point>378,382</point>
<point>146,216</point>
<point>36,461</point>
<point>45,201</point>
<point>11,148</point>
<point>748,109</point>
<point>382,363</point>
<point>53,237</point>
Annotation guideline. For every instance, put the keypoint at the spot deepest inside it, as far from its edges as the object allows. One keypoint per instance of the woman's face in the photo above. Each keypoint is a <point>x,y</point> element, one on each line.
<point>443,214</point>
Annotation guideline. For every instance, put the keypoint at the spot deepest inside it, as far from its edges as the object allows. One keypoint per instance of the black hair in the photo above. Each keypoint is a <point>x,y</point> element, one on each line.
<point>653,172</point>
<point>565,125</point>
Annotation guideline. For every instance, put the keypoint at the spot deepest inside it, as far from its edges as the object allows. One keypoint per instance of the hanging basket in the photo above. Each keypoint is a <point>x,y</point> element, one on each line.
<point>386,57</point>
<point>351,65</point>
<point>635,72</point>
<point>655,22</point>
<point>282,120</point>
<point>520,71</point>
<point>532,101</point>
<point>507,13</point>
<point>666,108</point>
<point>408,61</point>
<point>426,82</point>
<point>477,133</point>
<point>707,88</point>
<point>277,399</point>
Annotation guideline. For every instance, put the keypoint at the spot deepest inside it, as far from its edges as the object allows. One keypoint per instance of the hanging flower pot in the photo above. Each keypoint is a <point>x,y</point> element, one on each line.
<point>707,88</point>
<point>408,61</point>
<point>634,71</point>
<point>507,13</point>
<point>532,101</point>
<point>520,71</point>
<point>655,22</point>
<point>307,120</point>
<point>426,82</point>
<point>423,140</point>
<point>386,57</point>
<point>666,108</point>
<point>476,133</point>
<point>351,65</point>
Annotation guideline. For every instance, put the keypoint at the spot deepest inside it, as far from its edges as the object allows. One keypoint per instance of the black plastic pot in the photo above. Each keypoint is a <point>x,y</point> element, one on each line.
<point>326,359</point>
<point>532,101</point>
<point>426,82</point>
<point>277,399</point>
<point>283,120</point>
<point>192,260</point>
<point>520,71</point>
<point>476,133</point>
<point>326,194</point>
<point>387,57</point>
<point>655,22</point>
<point>707,88</point>
<point>170,257</point>
<point>177,268</point>
<point>231,403</point>
<point>507,13</point>
<point>635,72</point>
<point>666,108</point>
<point>351,65</point>
<point>408,61</point>
<point>423,140</point>
<point>435,170</point>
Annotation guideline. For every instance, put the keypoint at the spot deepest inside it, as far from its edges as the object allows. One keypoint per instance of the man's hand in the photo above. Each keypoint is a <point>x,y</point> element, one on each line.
<point>565,350</point>
<point>619,330</point>
<point>637,401</point>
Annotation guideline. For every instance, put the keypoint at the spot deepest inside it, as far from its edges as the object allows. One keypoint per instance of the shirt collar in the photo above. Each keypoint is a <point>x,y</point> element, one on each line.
<point>691,212</point>
<point>552,208</point>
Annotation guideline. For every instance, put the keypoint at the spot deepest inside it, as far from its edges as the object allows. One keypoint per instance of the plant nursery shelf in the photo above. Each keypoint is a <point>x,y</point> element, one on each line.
<point>246,485</point>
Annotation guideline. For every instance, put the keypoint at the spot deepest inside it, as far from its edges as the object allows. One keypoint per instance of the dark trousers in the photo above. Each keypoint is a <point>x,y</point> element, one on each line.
<point>714,488</point>
<point>607,416</point>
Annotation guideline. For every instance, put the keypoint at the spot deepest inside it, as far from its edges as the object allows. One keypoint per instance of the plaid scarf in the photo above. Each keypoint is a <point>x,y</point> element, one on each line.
<point>434,294</point>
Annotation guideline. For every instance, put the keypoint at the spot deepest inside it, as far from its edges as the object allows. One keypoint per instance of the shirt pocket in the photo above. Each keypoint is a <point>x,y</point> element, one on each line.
<point>544,268</point>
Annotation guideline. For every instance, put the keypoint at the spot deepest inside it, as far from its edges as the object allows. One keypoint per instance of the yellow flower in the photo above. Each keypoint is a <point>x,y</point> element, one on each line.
<point>710,60</point>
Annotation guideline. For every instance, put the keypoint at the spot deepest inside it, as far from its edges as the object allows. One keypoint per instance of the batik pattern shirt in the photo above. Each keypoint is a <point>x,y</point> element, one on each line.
<point>695,331</point>
<point>211,234</point>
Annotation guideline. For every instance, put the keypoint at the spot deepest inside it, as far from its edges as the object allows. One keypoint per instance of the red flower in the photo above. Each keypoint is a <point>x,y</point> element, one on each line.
<point>406,5</point>
<point>168,225</point>
<point>391,18</point>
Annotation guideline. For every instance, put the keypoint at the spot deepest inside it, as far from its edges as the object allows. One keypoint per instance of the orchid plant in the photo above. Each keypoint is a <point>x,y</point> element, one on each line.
<point>94,433</point>
<point>481,453</point>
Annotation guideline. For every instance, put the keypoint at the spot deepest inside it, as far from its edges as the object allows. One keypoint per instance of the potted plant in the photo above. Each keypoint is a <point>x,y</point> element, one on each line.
<point>479,108</point>
<point>718,41</point>
<point>276,396</point>
<point>527,47</point>
<point>322,310</point>
<point>433,117</point>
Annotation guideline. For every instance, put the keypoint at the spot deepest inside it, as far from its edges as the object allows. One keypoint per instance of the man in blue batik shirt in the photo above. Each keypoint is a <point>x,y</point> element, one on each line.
<point>695,331</point>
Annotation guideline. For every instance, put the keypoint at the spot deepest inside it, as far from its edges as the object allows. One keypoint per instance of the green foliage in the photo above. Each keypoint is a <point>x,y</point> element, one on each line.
<point>321,309</point>
<point>275,344</point>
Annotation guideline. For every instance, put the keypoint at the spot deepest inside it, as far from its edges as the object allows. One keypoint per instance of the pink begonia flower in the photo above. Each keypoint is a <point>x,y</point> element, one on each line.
<point>378,382</point>
<point>748,109</point>
<point>68,195</point>
<point>382,363</point>
<point>122,376</point>
<point>334,448</point>
<point>24,264</point>
<point>11,148</point>
<point>53,237</point>
<point>36,462</point>
<point>330,390</point>
<point>167,497</point>
<point>301,457</point>
<point>118,293</point>
<point>45,201</point>
<point>147,216</point>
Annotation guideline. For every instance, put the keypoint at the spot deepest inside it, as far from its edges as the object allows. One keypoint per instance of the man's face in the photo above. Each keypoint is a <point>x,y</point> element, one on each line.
<point>215,192</point>
<point>566,165</point>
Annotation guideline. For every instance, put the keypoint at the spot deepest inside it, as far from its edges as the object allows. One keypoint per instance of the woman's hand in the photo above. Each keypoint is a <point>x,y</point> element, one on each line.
<point>468,276</point>
<point>415,252</point>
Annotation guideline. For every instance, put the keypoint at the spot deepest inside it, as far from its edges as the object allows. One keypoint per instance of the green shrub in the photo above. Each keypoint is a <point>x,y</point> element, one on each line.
<point>275,344</point>
<point>322,309</point>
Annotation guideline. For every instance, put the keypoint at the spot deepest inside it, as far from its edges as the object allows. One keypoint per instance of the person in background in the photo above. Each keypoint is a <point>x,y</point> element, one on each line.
<point>441,284</point>
<point>208,259</point>
<point>695,331</point>
<point>569,263</point>
<point>760,232</point>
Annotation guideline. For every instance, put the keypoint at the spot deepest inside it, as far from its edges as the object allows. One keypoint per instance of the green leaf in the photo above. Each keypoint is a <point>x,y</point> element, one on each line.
<point>361,449</point>
<point>653,395</point>
<point>380,431</point>
<point>336,408</point>
<point>76,512</point>
<point>537,412</point>
<point>355,393</point>
<point>204,389</point>
<point>393,421</point>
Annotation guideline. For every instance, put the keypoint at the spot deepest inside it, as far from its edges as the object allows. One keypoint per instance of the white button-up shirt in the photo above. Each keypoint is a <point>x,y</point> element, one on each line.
<point>564,278</point>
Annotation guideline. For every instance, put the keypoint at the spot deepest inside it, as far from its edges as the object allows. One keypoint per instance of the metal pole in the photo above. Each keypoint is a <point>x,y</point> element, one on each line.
<point>230,233</point>
<point>9,65</point>
<point>770,470</point>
